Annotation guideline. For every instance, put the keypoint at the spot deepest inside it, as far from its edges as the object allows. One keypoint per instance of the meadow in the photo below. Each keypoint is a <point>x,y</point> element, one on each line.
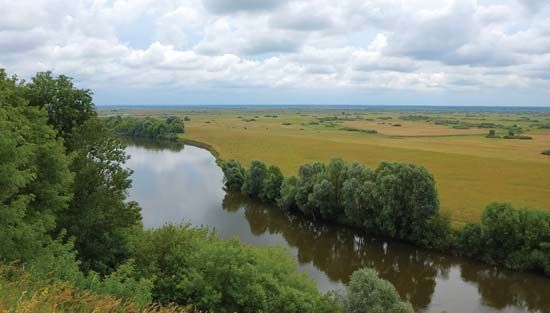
<point>470,169</point>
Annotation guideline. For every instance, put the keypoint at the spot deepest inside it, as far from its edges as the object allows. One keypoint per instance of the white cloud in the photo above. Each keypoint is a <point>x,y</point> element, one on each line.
<point>421,45</point>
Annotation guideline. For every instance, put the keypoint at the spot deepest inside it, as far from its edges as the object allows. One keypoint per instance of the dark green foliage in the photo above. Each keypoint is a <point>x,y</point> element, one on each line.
<point>366,131</point>
<point>492,134</point>
<point>396,200</point>
<point>233,175</point>
<point>546,152</point>
<point>367,293</point>
<point>517,137</point>
<point>254,178</point>
<point>287,200</point>
<point>470,240</point>
<point>406,197</point>
<point>150,128</point>
<point>518,239</point>
<point>34,175</point>
<point>67,106</point>
<point>99,215</point>
<point>192,266</point>
<point>271,186</point>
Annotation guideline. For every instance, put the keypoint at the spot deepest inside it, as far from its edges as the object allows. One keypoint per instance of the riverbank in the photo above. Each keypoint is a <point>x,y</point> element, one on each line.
<point>188,188</point>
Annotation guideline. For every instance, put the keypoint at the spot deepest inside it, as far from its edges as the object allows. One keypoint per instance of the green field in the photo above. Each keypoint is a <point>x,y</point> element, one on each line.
<point>470,169</point>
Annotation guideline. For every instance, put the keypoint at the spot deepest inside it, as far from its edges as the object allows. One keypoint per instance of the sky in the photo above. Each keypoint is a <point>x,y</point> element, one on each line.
<point>402,52</point>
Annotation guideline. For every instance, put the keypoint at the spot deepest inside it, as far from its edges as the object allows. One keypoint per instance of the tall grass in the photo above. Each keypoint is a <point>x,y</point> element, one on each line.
<point>21,294</point>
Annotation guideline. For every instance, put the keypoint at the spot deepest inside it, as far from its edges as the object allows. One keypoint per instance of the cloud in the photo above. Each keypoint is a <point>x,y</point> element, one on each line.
<point>306,45</point>
<point>232,6</point>
<point>533,6</point>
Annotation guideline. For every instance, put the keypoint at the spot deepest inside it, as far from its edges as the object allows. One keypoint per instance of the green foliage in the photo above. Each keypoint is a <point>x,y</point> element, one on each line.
<point>34,175</point>
<point>254,178</point>
<point>194,266</point>
<point>407,199</point>
<point>518,239</point>
<point>546,152</point>
<point>367,293</point>
<point>233,175</point>
<point>99,217</point>
<point>150,128</point>
<point>396,200</point>
<point>67,106</point>
<point>492,134</point>
<point>271,186</point>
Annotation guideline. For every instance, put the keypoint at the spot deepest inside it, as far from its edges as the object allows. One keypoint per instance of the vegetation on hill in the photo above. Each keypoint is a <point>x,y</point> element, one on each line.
<point>72,241</point>
<point>400,201</point>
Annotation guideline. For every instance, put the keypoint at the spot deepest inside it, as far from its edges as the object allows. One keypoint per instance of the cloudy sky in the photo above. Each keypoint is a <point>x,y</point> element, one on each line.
<point>436,52</point>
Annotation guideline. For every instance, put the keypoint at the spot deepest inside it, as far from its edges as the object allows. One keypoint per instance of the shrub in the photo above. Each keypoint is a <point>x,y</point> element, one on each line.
<point>194,266</point>
<point>368,293</point>
<point>546,152</point>
<point>233,175</point>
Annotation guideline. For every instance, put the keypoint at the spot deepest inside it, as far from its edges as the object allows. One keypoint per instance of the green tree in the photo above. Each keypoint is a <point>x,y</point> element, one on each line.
<point>254,179</point>
<point>501,230</point>
<point>271,186</point>
<point>367,293</point>
<point>323,199</point>
<point>194,266</point>
<point>98,216</point>
<point>34,175</point>
<point>287,201</point>
<point>234,175</point>
<point>406,200</point>
<point>68,107</point>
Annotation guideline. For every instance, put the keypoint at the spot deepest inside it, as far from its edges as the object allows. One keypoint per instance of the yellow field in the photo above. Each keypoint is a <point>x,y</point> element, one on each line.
<point>470,170</point>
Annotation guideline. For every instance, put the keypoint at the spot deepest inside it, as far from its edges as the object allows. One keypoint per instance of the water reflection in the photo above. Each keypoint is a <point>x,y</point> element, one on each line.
<point>185,185</point>
<point>416,273</point>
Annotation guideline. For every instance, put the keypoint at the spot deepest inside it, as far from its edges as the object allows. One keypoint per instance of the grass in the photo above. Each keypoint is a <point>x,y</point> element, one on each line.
<point>470,169</point>
<point>20,294</point>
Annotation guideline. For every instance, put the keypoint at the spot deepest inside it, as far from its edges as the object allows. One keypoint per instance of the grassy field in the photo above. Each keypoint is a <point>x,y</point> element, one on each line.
<point>470,169</point>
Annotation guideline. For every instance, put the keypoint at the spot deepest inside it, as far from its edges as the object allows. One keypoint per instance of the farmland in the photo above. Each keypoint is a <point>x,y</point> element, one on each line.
<point>470,169</point>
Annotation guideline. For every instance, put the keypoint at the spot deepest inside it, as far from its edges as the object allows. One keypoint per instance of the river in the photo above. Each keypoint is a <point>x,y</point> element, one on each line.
<point>176,184</point>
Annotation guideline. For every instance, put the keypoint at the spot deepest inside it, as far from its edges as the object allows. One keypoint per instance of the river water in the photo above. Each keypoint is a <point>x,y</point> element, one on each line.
<point>176,184</point>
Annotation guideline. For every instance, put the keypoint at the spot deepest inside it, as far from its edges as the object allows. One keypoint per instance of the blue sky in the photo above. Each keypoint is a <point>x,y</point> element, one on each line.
<point>433,52</point>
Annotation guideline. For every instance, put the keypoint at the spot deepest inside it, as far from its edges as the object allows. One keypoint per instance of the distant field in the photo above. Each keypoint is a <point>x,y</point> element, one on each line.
<point>470,169</point>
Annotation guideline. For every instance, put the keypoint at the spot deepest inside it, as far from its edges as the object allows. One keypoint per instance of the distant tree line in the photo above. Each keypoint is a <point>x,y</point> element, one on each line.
<point>150,128</point>
<point>65,220</point>
<point>400,201</point>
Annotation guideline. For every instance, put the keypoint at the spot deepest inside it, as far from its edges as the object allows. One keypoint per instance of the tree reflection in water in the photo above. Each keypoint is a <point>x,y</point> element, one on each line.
<point>338,252</point>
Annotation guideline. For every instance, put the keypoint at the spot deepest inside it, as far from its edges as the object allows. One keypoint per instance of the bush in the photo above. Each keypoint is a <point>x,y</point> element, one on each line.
<point>368,293</point>
<point>194,266</point>
<point>546,152</point>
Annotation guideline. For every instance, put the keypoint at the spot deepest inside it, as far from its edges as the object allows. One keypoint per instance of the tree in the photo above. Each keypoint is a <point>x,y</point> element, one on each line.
<point>367,293</point>
<point>68,107</point>
<point>99,217</point>
<point>323,199</point>
<point>193,266</point>
<point>405,199</point>
<point>501,230</point>
<point>287,201</point>
<point>234,175</point>
<point>254,179</point>
<point>34,175</point>
<point>271,186</point>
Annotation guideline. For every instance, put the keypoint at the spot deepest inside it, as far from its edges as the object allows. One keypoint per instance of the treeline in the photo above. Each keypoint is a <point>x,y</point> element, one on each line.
<point>65,220</point>
<point>400,201</point>
<point>150,128</point>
